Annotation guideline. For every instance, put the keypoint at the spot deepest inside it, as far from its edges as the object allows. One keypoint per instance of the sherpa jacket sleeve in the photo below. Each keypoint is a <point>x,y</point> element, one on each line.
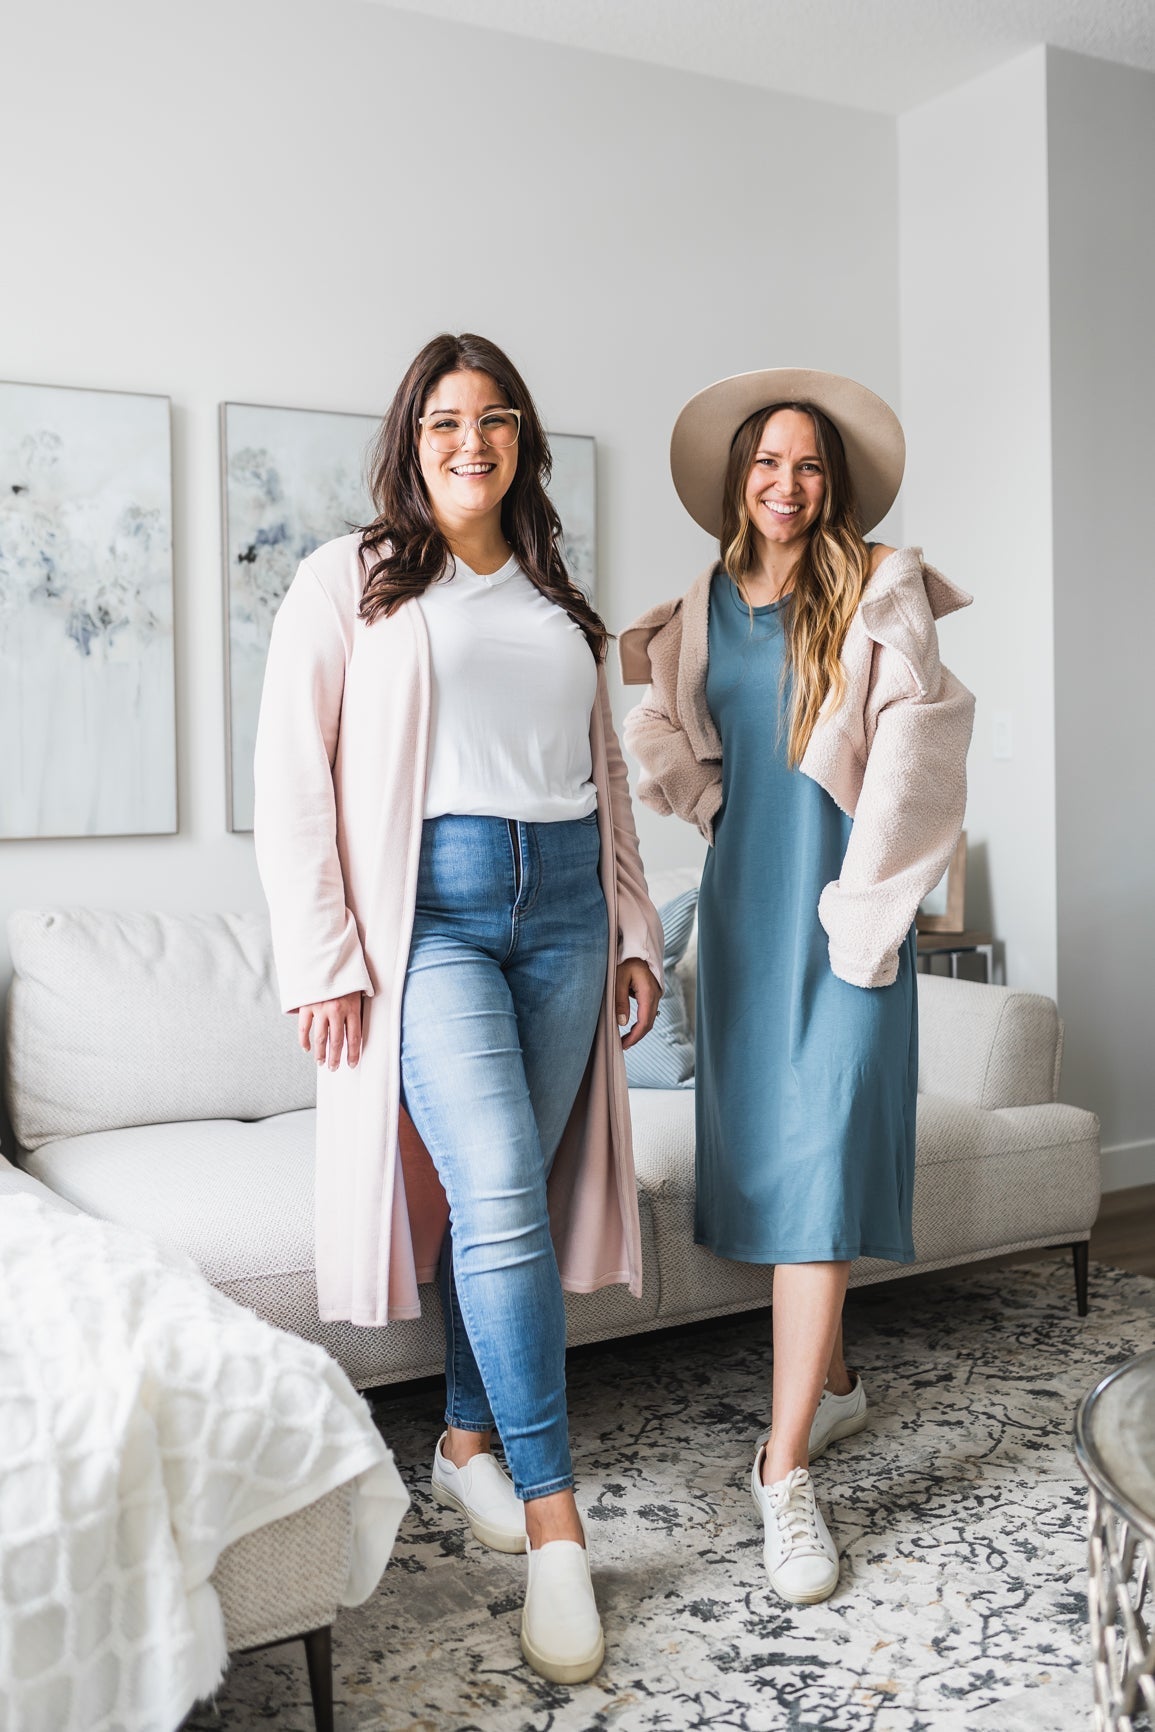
<point>639,928</point>
<point>674,781</point>
<point>906,823</point>
<point>316,945</point>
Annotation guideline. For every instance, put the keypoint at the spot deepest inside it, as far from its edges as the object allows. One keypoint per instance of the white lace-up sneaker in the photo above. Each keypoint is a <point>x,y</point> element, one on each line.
<point>484,1495</point>
<point>561,1632</point>
<point>837,1416</point>
<point>801,1558</point>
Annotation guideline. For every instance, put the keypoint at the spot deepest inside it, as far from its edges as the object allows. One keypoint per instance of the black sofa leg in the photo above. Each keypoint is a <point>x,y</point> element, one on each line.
<point>319,1657</point>
<point>1080,1253</point>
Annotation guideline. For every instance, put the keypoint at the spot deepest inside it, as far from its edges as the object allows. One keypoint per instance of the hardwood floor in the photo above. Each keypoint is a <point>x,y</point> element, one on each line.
<point>1124,1234</point>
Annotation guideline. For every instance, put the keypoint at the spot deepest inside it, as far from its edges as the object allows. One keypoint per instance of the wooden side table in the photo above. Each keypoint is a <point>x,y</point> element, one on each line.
<point>956,944</point>
<point>1115,1446</point>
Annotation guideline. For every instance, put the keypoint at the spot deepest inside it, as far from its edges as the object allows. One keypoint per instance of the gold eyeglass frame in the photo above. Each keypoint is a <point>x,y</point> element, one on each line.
<point>474,421</point>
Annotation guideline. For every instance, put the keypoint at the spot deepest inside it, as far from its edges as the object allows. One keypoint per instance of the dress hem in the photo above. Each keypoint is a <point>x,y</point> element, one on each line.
<point>822,1254</point>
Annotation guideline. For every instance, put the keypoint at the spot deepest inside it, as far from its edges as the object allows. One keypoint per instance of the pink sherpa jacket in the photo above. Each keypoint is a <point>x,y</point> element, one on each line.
<point>892,755</point>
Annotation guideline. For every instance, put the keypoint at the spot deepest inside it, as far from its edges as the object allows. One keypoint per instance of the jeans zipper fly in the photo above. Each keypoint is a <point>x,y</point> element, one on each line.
<point>515,844</point>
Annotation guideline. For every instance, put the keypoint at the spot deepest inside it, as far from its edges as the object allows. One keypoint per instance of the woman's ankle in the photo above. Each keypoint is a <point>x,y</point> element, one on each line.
<point>781,1458</point>
<point>460,1447</point>
<point>554,1517</point>
<point>840,1380</point>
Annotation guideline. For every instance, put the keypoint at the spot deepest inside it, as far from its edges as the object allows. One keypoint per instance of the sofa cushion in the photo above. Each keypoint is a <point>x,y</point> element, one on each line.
<point>664,1058</point>
<point>139,1019</point>
<point>664,886</point>
<point>238,1198</point>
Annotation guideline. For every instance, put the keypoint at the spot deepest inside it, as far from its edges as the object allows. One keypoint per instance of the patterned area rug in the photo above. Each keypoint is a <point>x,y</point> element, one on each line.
<point>959,1514</point>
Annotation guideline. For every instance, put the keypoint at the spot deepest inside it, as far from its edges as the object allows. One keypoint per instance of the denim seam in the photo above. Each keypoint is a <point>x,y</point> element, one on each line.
<point>517,860</point>
<point>530,900</point>
<point>451,1410</point>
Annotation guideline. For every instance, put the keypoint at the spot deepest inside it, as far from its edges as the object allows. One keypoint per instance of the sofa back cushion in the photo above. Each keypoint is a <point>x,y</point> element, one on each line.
<point>664,885</point>
<point>987,1045</point>
<point>137,1019</point>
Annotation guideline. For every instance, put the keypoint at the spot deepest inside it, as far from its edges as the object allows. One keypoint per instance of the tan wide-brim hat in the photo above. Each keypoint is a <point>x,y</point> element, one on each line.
<point>705,429</point>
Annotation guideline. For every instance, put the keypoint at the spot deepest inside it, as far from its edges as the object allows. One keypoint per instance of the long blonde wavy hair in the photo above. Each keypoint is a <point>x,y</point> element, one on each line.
<point>828,580</point>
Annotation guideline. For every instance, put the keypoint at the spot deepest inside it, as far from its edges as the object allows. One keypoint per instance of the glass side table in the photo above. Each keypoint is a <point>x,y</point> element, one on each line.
<point>1115,1446</point>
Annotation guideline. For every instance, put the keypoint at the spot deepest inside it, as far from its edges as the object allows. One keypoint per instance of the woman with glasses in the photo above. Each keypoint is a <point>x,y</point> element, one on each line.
<point>460,920</point>
<point>798,715</point>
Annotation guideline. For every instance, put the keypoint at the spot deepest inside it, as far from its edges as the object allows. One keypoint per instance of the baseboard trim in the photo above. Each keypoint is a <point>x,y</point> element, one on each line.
<point>1128,1164</point>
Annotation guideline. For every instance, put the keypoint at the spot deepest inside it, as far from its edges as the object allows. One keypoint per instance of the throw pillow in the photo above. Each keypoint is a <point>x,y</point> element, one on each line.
<point>664,1058</point>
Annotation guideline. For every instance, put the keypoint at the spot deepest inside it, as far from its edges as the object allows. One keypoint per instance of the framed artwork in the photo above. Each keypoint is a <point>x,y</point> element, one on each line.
<point>291,479</point>
<point>573,490</point>
<point>944,910</point>
<point>87,690</point>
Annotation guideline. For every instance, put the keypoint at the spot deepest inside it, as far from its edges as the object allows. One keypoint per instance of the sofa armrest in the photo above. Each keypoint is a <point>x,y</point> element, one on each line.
<point>987,1045</point>
<point>15,1183</point>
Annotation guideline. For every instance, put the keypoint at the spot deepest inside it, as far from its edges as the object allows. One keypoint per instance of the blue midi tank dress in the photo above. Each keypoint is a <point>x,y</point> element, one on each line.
<point>806,1086</point>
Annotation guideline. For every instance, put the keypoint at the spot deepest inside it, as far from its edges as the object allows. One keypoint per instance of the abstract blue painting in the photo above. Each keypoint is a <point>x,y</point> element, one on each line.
<point>292,479</point>
<point>87,693</point>
<point>573,491</point>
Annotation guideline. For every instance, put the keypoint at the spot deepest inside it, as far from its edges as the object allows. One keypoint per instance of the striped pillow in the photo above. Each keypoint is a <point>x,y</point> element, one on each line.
<point>664,1059</point>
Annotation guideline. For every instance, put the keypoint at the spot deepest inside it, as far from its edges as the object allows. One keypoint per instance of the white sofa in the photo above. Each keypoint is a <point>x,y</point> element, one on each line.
<point>152,1079</point>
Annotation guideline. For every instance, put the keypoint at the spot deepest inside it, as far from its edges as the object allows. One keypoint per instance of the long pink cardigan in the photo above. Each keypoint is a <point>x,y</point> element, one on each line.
<point>340,768</point>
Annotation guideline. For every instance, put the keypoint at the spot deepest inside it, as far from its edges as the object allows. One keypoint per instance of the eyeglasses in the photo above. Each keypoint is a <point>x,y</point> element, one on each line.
<point>497,427</point>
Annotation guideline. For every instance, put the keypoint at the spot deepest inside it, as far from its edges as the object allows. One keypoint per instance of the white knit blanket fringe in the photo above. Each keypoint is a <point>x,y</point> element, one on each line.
<point>147,1422</point>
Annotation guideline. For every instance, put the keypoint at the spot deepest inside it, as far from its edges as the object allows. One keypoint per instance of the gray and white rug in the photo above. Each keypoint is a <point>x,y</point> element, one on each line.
<point>959,1514</point>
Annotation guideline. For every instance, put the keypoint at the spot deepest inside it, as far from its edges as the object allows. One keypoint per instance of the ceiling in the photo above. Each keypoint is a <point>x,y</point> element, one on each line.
<point>886,55</point>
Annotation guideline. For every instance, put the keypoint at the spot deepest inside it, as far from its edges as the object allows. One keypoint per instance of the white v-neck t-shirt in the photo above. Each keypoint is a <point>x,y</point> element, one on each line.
<point>514,683</point>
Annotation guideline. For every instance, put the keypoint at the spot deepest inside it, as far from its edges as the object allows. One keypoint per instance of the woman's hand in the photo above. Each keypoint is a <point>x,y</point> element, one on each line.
<point>635,981</point>
<point>323,1029</point>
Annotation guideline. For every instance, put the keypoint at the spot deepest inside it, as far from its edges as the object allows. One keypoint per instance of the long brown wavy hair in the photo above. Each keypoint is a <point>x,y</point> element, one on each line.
<point>403,549</point>
<point>828,580</point>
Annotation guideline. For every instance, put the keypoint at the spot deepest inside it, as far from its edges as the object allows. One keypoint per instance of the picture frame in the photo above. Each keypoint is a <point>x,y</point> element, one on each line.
<point>87,667</point>
<point>573,490</point>
<point>944,910</point>
<point>291,480</point>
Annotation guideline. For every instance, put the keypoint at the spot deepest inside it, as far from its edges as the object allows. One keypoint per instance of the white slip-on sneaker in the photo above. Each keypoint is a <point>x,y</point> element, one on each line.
<point>561,1632</point>
<point>484,1495</point>
<point>837,1416</point>
<point>801,1558</point>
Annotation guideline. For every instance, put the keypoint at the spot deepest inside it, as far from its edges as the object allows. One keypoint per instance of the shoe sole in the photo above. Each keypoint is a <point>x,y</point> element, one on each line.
<point>497,1539</point>
<point>558,1672</point>
<point>843,1428</point>
<point>811,1599</point>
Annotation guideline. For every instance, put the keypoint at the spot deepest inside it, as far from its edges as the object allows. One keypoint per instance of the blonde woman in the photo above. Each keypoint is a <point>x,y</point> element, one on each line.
<point>799,716</point>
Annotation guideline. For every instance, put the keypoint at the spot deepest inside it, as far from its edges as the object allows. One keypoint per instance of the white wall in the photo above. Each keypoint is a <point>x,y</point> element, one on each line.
<point>1101,131</point>
<point>279,200</point>
<point>975,345</point>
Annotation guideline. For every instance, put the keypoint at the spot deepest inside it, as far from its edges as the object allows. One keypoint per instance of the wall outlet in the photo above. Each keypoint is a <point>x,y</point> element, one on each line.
<point>1003,731</point>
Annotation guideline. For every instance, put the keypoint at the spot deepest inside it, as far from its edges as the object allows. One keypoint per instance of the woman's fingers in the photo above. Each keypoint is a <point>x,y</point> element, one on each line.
<point>321,1034</point>
<point>622,994</point>
<point>333,1026</point>
<point>635,980</point>
<point>353,1033</point>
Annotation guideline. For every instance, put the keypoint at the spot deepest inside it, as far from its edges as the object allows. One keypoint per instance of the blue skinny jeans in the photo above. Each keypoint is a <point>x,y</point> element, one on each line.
<point>507,970</point>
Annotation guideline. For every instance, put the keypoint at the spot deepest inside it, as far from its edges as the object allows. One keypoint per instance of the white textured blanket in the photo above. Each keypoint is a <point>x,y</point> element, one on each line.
<point>147,1422</point>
